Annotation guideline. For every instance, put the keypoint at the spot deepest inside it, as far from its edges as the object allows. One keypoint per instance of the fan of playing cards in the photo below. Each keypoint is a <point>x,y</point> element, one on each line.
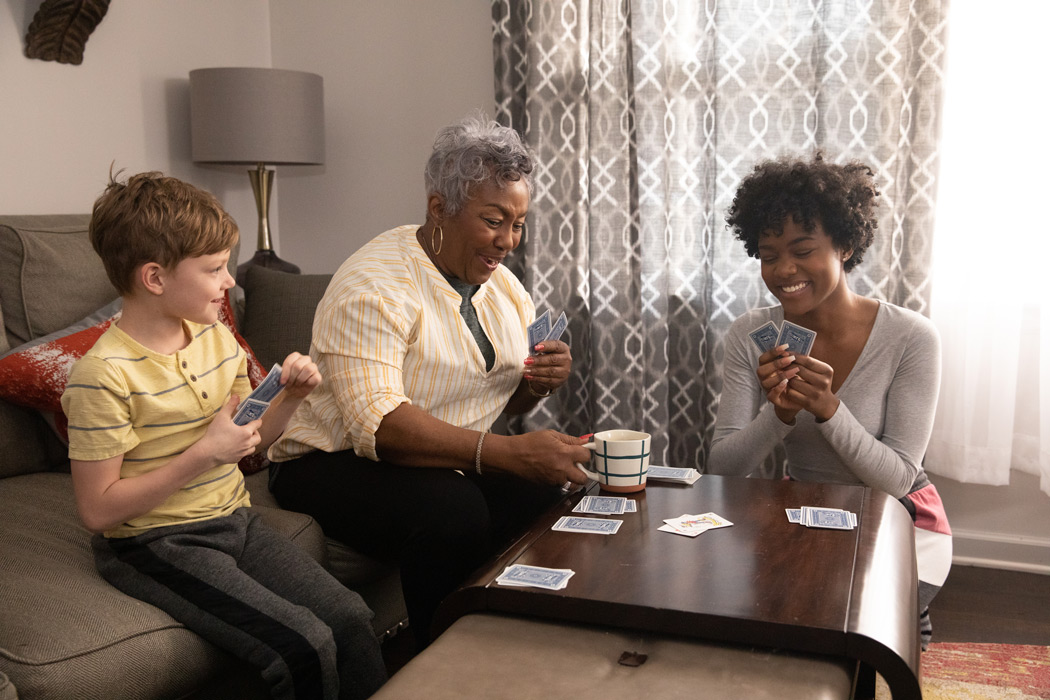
<point>798,339</point>
<point>541,329</point>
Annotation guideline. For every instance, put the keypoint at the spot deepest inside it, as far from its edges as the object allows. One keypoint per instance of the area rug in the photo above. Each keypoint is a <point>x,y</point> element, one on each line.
<point>958,671</point>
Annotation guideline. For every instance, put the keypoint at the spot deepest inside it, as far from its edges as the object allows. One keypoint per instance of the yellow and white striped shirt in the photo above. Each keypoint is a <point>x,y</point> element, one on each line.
<point>388,331</point>
<point>124,399</point>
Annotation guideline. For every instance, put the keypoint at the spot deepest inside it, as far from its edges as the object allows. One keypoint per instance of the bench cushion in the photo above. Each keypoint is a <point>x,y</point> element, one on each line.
<point>490,656</point>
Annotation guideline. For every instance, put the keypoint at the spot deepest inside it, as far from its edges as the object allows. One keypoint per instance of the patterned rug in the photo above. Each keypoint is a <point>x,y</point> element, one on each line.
<point>956,671</point>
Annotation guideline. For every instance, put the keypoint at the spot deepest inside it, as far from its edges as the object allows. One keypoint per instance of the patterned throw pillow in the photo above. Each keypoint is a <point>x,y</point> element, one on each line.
<point>35,374</point>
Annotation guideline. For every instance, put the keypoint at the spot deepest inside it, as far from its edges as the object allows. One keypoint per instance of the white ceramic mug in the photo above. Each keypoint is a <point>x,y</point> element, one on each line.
<point>620,460</point>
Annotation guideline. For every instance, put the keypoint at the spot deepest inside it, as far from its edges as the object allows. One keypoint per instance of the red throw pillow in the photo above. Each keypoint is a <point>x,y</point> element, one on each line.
<point>36,376</point>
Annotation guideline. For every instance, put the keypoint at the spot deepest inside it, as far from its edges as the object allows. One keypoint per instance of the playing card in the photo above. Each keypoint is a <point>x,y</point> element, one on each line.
<point>765,336</point>
<point>535,577</point>
<point>693,525</point>
<point>799,340</point>
<point>832,518</point>
<point>601,505</point>
<point>539,330</point>
<point>674,474</point>
<point>249,410</point>
<point>569,523</point>
<point>259,400</point>
<point>558,328</point>
<point>794,515</point>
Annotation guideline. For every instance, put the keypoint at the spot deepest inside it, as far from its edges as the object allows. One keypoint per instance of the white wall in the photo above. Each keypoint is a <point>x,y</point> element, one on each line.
<point>394,71</point>
<point>127,102</point>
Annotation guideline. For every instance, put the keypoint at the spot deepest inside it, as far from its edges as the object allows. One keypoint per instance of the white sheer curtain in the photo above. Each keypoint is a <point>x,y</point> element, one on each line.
<point>991,250</point>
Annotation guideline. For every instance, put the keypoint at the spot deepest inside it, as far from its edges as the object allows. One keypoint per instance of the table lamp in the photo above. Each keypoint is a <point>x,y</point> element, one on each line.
<point>260,117</point>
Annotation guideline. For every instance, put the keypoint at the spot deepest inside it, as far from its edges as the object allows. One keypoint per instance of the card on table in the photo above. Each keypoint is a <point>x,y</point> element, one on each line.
<point>798,339</point>
<point>693,525</point>
<point>682,475</point>
<point>794,515</point>
<point>569,523</point>
<point>535,577</point>
<point>602,505</point>
<point>831,518</point>
<point>765,336</point>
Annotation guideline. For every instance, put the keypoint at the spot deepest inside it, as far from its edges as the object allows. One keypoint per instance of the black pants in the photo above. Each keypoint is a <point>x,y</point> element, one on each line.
<point>438,524</point>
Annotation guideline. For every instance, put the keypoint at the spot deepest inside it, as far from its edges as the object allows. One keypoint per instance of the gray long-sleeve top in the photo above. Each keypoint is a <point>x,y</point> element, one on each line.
<point>879,433</point>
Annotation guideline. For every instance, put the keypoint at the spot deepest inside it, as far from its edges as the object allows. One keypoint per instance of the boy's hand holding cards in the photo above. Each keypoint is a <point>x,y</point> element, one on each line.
<point>798,339</point>
<point>541,329</point>
<point>253,407</point>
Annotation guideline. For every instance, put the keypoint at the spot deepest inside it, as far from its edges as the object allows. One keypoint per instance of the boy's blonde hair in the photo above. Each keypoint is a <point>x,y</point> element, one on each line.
<point>153,218</point>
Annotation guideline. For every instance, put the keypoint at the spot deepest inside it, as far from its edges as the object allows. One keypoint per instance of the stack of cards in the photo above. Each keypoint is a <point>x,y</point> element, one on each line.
<point>798,339</point>
<point>541,329</point>
<point>831,518</point>
<point>693,525</point>
<point>522,576</point>
<point>606,505</point>
<point>678,475</point>
<point>571,523</point>
<point>259,400</point>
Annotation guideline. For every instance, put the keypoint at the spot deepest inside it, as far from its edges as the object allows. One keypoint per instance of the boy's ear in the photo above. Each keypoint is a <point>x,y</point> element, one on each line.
<point>151,278</point>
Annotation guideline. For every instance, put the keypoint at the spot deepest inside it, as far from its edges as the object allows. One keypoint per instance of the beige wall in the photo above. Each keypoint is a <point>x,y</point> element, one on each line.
<point>394,71</point>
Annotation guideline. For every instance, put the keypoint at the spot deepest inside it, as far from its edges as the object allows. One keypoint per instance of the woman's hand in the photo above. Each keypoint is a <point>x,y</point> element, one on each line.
<point>810,388</point>
<point>549,368</point>
<point>546,457</point>
<point>775,369</point>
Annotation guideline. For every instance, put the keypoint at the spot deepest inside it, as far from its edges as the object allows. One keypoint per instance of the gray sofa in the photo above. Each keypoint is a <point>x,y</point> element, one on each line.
<point>64,632</point>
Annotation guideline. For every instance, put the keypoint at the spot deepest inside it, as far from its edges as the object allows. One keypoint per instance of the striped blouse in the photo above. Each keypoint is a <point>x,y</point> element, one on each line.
<point>125,399</point>
<point>388,331</point>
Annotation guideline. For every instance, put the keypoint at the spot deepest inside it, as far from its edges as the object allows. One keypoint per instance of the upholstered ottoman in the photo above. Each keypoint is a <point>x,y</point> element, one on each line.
<point>494,656</point>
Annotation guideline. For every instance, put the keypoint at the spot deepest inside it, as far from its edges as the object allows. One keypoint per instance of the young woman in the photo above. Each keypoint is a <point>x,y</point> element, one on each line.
<point>859,407</point>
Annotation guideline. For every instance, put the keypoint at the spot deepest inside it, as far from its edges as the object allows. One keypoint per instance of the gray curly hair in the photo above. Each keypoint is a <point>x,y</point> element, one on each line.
<point>473,151</point>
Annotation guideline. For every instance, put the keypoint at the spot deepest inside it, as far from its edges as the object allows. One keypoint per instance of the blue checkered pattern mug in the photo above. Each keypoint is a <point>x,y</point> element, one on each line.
<point>620,461</point>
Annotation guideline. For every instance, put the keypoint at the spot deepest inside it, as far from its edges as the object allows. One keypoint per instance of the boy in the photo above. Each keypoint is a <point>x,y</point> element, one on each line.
<point>154,450</point>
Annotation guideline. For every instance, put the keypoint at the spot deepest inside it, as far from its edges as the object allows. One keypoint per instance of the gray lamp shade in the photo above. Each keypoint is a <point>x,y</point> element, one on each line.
<point>256,115</point>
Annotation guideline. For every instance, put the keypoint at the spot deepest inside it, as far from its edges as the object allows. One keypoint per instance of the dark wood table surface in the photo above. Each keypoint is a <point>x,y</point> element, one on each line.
<point>763,581</point>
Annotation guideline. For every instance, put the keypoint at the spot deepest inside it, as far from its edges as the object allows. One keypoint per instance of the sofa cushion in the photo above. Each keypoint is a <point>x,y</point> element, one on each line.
<point>35,374</point>
<point>65,632</point>
<point>49,275</point>
<point>279,311</point>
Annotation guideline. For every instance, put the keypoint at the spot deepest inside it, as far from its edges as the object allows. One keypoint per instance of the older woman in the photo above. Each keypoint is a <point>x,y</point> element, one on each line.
<point>421,340</point>
<point>858,408</point>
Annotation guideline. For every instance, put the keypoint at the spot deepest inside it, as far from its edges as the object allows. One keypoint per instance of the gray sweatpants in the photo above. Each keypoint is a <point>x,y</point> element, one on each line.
<point>254,593</point>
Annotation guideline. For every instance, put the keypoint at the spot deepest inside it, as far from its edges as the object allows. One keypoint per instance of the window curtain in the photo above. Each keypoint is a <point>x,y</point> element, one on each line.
<point>644,117</point>
<point>992,243</point>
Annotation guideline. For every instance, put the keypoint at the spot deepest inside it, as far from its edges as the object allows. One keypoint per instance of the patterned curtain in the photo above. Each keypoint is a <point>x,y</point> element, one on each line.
<point>644,117</point>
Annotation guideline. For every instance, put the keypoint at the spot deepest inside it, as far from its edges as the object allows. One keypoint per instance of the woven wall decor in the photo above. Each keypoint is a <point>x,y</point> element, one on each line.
<point>60,29</point>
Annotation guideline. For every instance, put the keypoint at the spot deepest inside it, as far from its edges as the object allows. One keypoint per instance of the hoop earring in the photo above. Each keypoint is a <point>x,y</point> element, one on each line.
<point>436,248</point>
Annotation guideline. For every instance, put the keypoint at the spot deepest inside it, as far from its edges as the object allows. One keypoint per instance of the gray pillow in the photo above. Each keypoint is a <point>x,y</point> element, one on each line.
<point>50,276</point>
<point>279,312</point>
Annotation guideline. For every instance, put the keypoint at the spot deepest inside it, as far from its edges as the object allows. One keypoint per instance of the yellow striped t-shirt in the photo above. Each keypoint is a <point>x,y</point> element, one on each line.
<point>388,331</point>
<point>124,399</point>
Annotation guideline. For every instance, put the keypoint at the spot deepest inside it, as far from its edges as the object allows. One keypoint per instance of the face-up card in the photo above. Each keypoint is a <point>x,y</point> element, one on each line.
<point>539,330</point>
<point>799,340</point>
<point>558,328</point>
<point>569,523</point>
<point>765,336</point>
<point>535,576</point>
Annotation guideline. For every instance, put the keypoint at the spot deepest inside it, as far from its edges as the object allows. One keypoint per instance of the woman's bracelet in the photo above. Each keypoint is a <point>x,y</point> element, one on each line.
<point>535,393</point>
<point>477,455</point>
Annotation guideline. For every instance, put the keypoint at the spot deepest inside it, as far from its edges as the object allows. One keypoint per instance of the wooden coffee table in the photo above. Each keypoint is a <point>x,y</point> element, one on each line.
<point>764,581</point>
